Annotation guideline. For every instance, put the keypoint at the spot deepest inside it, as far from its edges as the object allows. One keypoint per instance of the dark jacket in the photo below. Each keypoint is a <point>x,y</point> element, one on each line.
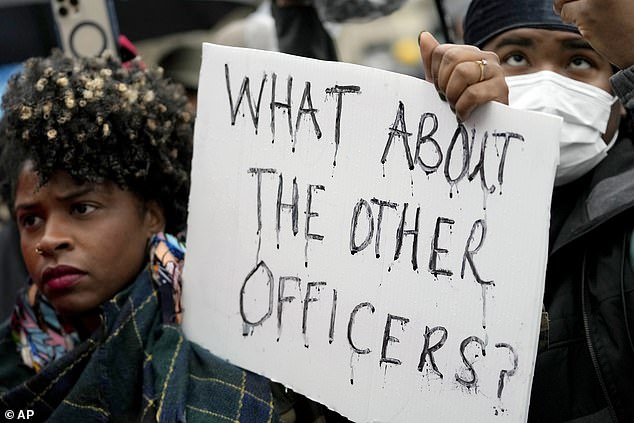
<point>585,366</point>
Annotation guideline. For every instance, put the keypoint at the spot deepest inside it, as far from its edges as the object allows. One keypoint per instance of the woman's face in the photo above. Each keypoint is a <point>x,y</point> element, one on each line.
<point>81,243</point>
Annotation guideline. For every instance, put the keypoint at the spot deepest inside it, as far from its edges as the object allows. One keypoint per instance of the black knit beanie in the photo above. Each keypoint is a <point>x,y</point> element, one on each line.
<point>487,18</point>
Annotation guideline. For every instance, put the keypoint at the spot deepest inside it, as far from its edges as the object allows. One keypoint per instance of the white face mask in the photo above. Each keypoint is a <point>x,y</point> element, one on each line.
<point>585,109</point>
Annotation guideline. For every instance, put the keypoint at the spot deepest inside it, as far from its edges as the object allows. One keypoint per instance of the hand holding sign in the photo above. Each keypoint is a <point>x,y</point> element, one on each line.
<point>463,75</point>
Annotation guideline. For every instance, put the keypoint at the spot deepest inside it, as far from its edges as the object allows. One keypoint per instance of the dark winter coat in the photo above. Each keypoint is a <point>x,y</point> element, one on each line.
<point>585,363</point>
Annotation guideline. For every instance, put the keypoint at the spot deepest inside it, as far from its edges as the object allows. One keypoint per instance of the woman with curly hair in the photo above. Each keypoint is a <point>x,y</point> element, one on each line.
<point>96,164</point>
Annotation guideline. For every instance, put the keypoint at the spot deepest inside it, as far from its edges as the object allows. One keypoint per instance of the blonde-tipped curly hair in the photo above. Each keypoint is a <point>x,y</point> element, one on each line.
<point>100,121</point>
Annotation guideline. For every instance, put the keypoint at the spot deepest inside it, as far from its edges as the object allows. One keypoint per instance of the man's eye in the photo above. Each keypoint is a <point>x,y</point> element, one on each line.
<point>515,60</point>
<point>580,63</point>
<point>82,208</point>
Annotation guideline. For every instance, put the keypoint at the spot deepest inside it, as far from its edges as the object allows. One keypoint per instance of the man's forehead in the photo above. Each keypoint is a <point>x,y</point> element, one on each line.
<point>536,37</point>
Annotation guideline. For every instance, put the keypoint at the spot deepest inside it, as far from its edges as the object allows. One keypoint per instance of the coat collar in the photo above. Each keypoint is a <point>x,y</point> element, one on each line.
<point>599,196</point>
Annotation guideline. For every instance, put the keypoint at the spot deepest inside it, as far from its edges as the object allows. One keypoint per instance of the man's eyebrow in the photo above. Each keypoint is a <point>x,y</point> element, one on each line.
<point>577,43</point>
<point>514,41</point>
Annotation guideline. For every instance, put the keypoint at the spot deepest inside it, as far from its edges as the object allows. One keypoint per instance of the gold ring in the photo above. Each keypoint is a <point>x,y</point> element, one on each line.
<point>39,251</point>
<point>482,63</point>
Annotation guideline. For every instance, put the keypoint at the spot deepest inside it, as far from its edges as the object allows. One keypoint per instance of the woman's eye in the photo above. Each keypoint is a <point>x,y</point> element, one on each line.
<point>29,220</point>
<point>515,60</point>
<point>82,208</point>
<point>580,63</point>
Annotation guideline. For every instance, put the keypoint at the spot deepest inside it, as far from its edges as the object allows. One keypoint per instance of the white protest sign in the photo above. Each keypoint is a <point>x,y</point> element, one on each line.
<point>351,240</point>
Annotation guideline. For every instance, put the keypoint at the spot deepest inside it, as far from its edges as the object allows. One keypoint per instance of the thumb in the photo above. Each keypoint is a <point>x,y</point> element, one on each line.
<point>427,44</point>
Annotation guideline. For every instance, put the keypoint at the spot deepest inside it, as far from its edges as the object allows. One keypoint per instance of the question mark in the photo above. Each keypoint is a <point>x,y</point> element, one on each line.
<point>506,373</point>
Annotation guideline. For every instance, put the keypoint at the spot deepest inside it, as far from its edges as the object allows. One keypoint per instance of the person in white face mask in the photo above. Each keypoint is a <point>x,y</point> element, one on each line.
<point>586,110</point>
<point>521,53</point>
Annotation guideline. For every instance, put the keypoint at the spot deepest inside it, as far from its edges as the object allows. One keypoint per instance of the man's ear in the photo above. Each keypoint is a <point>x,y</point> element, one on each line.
<point>154,217</point>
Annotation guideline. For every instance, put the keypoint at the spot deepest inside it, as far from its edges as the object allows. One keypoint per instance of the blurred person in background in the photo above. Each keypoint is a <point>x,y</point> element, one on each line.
<point>521,53</point>
<point>378,34</point>
<point>12,272</point>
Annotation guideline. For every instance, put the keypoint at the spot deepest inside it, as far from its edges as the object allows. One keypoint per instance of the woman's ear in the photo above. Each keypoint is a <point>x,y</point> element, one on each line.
<point>154,217</point>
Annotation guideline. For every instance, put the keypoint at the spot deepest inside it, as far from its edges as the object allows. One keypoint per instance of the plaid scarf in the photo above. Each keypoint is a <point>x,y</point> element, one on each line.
<point>137,366</point>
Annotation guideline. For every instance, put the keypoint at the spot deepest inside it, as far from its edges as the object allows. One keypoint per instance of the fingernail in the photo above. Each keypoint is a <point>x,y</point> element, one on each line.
<point>419,35</point>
